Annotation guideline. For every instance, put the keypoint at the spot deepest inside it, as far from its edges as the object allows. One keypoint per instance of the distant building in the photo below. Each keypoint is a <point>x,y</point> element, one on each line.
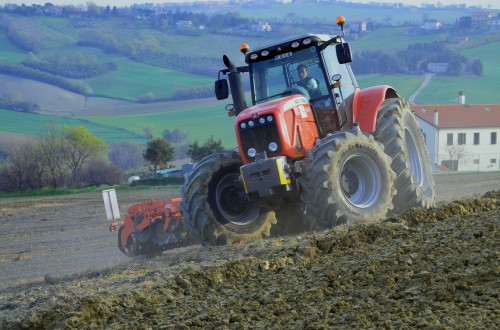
<point>261,27</point>
<point>357,26</point>
<point>437,67</point>
<point>481,17</point>
<point>462,137</point>
<point>494,23</point>
<point>432,24</point>
<point>184,25</point>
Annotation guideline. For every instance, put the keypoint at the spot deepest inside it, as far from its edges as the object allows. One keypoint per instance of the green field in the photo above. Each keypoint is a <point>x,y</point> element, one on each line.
<point>33,124</point>
<point>404,85</point>
<point>198,118</point>
<point>392,38</point>
<point>8,52</point>
<point>134,79</point>
<point>478,90</point>
<point>329,11</point>
<point>198,123</point>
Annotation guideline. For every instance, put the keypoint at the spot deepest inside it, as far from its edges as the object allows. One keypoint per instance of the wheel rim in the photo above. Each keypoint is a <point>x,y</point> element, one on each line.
<point>360,180</point>
<point>414,160</point>
<point>231,201</point>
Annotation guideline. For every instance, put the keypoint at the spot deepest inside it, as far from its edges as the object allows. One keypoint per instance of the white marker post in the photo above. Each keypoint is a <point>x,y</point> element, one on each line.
<point>111,204</point>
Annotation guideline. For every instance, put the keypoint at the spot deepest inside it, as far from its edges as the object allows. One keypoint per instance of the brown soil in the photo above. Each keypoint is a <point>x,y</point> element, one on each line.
<point>434,268</point>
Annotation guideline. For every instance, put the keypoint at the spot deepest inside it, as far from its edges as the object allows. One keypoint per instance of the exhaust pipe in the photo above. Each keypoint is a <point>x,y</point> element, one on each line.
<point>235,85</point>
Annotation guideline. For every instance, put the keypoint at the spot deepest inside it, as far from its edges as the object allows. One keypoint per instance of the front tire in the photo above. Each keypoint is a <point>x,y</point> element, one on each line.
<point>214,205</point>
<point>346,179</point>
<point>399,132</point>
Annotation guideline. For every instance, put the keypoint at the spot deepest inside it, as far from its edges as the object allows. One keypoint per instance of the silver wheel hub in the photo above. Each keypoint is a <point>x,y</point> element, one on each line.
<point>360,180</point>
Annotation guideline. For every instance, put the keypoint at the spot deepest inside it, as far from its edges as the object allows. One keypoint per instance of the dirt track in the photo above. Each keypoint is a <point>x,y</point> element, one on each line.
<point>427,269</point>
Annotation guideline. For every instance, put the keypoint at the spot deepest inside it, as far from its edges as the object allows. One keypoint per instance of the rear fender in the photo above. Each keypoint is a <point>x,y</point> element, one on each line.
<point>367,103</point>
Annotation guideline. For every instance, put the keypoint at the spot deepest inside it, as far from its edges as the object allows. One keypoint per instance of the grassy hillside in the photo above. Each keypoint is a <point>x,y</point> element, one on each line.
<point>201,119</point>
<point>393,38</point>
<point>8,52</point>
<point>478,90</point>
<point>405,85</point>
<point>199,123</point>
<point>135,79</point>
<point>32,124</point>
<point>327,12</point>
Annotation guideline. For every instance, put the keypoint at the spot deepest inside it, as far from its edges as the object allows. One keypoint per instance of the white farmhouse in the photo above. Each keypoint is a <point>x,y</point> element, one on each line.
<point>462,137</point>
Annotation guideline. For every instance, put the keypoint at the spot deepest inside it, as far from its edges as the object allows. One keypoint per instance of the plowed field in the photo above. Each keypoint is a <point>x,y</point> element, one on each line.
<point>436,268</point>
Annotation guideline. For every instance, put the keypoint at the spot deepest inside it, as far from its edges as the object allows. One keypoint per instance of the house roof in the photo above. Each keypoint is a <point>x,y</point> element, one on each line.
<point>460,116</point>
<point>481,14</point>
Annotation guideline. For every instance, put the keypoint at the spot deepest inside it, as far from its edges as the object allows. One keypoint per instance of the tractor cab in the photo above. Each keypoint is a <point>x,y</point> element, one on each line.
<point>315,66</point>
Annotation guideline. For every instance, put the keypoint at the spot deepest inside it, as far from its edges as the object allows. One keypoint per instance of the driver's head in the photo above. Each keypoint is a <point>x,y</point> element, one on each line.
<point>302,71</point>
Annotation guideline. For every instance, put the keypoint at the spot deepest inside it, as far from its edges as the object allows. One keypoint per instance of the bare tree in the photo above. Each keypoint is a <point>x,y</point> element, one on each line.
<point>126,155</point>
<point>51,146</point>
<point>99,172</point>
<point>455,153</point>
<point>24,168</point>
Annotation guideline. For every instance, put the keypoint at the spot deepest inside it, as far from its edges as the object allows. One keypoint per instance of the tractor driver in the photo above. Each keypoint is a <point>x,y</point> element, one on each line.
<point>310,84</point>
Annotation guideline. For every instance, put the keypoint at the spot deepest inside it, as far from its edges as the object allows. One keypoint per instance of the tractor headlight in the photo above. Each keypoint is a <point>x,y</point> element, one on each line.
<point>269,118</point>
<point>262,120</point>
<point>251,123</point>
<point>295,44</point>
<point>273,146</point>
<point>264,53</point>
<point>254,56</point>
<point>306,41</point>
<point>243,125</point>
<point>251,152</point>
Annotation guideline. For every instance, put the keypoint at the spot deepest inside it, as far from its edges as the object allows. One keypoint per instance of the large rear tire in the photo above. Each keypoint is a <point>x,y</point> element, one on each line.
<point>214,205</point>
<point>399,132</point>
<point>346,179</point>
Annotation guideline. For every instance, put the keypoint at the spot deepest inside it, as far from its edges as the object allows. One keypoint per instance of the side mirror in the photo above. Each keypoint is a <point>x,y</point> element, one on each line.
<point>344,54</point>
<point>221,89</point>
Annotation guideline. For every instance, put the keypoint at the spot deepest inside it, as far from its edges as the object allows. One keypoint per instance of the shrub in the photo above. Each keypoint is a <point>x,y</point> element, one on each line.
<point>99,172</point>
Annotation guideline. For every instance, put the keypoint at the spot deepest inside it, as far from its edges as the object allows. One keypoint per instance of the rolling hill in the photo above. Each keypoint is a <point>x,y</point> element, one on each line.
<point>111,111</point>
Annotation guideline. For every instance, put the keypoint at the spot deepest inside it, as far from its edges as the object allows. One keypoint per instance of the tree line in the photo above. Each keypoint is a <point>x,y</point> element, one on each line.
<point>72,156</point>
<point>74,65</point>
<point>415,59</point>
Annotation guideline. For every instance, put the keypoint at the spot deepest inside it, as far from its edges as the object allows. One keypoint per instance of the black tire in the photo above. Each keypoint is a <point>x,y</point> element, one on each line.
<point>398,130</point>
<point>213,204</point>
<point>346,179</point>
<point>131,247</point>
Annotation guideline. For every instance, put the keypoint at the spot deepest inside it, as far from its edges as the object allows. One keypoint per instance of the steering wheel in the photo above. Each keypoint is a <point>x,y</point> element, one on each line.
<point>298,90</point>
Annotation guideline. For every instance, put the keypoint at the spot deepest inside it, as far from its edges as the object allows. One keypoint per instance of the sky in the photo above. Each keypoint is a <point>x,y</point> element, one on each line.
<point>119,3</point>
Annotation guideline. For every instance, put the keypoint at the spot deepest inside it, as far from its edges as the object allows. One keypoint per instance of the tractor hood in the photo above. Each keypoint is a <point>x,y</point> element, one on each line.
<point>285,126</point>
<point>279,105</point>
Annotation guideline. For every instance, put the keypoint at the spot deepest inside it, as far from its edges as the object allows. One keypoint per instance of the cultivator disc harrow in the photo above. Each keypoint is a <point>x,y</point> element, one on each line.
<point>149,227</point>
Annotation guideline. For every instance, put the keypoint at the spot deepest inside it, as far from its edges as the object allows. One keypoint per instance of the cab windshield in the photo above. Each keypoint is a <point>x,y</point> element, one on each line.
<point>278,77</point>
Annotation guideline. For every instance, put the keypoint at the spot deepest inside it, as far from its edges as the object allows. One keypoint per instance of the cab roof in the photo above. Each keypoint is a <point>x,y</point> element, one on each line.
<point>294,44</point>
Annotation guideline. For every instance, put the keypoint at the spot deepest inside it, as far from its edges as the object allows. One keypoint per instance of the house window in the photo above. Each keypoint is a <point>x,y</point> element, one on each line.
<point>476,161</point>
<point>476,138</point>
<point>449,139</point>
<point>493,160</point>
<point>493,137</point>
<point>461,138</point>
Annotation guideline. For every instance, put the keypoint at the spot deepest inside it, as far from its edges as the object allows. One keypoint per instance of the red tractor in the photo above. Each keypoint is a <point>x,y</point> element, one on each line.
<point>314,150</point>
